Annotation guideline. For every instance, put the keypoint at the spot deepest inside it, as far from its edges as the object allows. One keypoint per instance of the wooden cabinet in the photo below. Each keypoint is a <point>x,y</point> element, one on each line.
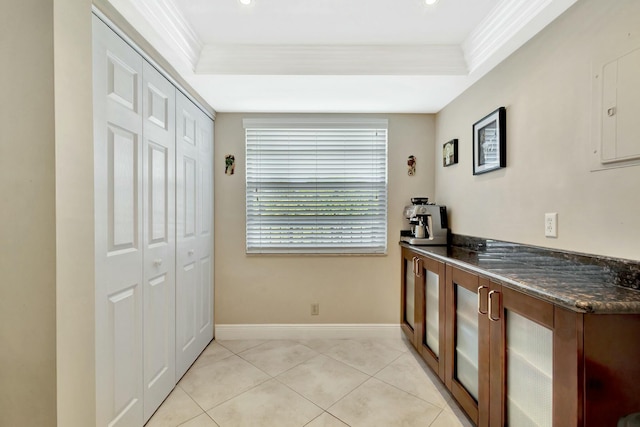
<point>430,306</point>
<point>467,343</point>
<point>423,299</point>
<point>611,348</point>
<point>441,319</point>
<point>534,360</point>
<point>510,359</point>
<point>408,294</point>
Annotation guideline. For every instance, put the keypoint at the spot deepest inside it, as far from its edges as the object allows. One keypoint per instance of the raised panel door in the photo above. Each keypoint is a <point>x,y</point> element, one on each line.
<point>118,151</point>
<point>187,267</point>
<point>205,237</point>
<point>194,250</point>
<point>159,238</point>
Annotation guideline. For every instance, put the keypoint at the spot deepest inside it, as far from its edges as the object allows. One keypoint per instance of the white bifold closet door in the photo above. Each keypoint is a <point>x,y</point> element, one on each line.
<point>153,160</point>
<point>159,253</point>
<point>194,255</point>
<point>118,152</point>
<point>134,160</point>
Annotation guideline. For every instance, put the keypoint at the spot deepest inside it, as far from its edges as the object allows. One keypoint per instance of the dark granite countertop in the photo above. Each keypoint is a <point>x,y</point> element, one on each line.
<point>582,283</point>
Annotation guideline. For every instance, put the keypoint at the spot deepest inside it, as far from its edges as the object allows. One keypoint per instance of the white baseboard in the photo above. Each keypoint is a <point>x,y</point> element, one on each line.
<point>307,331</point>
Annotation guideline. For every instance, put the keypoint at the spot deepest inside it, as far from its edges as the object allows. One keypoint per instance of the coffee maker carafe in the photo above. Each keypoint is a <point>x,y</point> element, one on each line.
<point>420,229</point>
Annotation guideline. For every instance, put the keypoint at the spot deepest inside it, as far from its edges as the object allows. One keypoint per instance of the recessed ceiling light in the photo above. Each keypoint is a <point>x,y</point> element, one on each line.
<point>245,2</point>
<point>430,2</point>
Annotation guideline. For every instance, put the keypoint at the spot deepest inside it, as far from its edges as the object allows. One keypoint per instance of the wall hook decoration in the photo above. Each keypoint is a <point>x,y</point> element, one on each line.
<point>411,165</point>
<point>229,164</point>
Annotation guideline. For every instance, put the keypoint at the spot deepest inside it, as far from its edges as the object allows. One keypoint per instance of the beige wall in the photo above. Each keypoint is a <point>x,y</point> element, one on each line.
<point>46,237</point>
<point>27,216</point>
<point>74,213</point>
<point>280,289</point>
<point>546,88</point>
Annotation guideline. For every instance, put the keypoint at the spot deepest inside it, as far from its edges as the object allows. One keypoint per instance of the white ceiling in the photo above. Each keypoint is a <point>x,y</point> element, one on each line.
<point>336,55</point>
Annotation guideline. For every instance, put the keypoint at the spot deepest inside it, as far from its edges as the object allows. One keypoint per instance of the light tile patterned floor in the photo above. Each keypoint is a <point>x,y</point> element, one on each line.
<point>312,383</point>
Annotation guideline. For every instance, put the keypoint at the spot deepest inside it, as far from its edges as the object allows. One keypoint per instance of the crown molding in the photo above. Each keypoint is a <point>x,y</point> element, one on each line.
<point>507,27</point>
<point>332,60</point>
<point>231,74</point>
<point>174,27</point>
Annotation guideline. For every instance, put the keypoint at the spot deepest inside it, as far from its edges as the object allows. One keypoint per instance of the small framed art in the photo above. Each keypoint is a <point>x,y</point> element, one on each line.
<point>450,153</point>
<point>490,142</point>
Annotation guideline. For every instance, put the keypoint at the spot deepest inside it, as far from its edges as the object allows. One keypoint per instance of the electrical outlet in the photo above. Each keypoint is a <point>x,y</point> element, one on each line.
<point>315,309</point>
<point>551,224</point>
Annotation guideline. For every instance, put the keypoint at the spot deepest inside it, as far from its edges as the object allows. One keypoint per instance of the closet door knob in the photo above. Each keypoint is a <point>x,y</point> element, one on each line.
<point>157,262</point>
<point>191,252</point>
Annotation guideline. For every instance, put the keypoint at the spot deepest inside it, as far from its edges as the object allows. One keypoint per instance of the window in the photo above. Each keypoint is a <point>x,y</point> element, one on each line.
<point>316,186</point>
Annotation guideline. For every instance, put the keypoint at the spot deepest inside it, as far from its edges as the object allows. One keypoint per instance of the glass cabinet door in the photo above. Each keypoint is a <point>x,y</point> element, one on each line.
<point>466,342</point>
<point>529,360</point>
<point>529,372</point>
<point>467,359</point>
<point>432,312</point>
<point>522,349</point>
<point>409,294</point>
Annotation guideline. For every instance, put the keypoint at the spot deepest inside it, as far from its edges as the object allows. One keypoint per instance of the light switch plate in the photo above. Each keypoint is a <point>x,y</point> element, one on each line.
<point>551,224</point>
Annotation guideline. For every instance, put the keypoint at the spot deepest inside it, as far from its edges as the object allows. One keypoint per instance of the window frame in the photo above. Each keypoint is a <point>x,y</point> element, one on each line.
<point>379,243</point>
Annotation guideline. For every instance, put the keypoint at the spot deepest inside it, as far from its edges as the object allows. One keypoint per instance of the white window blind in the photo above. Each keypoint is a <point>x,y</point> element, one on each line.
<point>316,187</point>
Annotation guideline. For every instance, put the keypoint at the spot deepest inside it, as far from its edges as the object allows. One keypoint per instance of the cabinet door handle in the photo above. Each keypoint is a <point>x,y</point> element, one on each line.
<point>415,258</point>
<point>480,289</point>
<point>418,269</point>
<point>493,319</point>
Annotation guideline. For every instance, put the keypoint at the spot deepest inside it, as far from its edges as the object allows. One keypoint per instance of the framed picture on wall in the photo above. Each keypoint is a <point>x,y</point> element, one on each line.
<point>450,153</point>
<point>490,142</point>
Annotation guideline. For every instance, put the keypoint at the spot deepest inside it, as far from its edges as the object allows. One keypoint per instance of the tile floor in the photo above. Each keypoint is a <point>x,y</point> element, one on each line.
<point>312,383</point>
